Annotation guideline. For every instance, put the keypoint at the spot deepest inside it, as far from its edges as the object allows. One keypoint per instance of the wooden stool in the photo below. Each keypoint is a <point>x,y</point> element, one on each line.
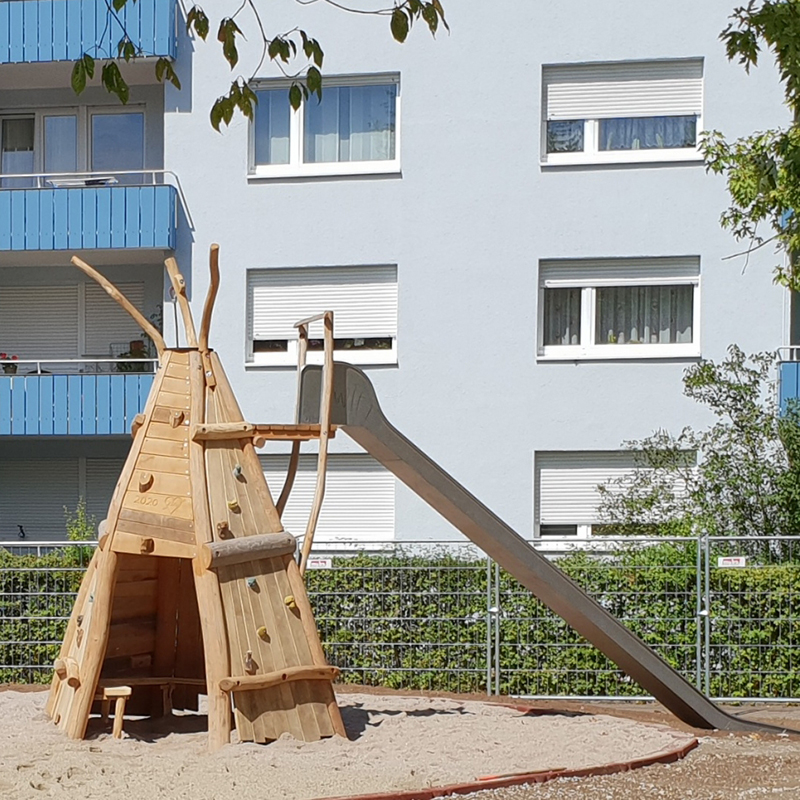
<point>121,695</point>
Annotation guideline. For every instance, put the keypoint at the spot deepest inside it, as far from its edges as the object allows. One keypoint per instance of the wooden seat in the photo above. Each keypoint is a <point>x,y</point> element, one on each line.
<point>120,694</point>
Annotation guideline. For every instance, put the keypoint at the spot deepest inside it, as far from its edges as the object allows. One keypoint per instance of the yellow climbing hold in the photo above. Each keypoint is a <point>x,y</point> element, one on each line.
<point>289,600</point>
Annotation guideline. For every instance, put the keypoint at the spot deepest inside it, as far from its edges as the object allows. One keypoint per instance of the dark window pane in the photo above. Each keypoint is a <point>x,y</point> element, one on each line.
<point>271,132</point>
<point>648,133</point>
<point>562,316</point>
<point>561,531</point>
<point>565,136</point>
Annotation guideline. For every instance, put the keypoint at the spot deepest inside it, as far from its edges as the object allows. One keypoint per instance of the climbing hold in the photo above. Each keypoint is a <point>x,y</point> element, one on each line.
<point>237,471</point>
<point>262,633</point>
<point>289,600</point>
<point>251,583</point>
<point>250,666</point>
<point>80,620</point>
<point>145,481</point>
<point>223,531</point>
<point>79,636</point>
<point>233,505</point>
<point>176,418</point>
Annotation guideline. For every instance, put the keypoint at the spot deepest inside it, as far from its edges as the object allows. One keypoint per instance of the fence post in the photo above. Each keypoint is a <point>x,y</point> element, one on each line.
<point>489,660</point>
<point>707,613</point>
<point>698,659</point>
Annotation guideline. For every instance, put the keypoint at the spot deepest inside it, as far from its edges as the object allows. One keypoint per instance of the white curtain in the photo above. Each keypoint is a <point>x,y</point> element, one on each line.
<point>644,315</point>
<point>648,133</point>
<point>562,316</point>
<point>61,143</point>
<point>272,127</point>
<point>351,123</point>
<point>17,151</point>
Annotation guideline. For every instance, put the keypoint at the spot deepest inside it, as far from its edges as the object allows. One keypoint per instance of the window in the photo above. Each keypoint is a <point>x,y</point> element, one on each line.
<point>619,308</point>
<point>62,142</point>
<point>622,112</point>
<point>363,299</point>
<point>352,130</point>
<point>359,498</point>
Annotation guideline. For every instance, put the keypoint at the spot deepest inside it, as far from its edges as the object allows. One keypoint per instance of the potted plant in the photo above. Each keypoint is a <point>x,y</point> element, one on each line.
<point>9,369</point>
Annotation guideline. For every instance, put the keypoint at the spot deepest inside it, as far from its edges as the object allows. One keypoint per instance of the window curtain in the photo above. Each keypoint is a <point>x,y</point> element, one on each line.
<point>644,315</point>
<point>648,133</point>
<point>272,127</point>
<point>61,143</point>
<point>351,123</point>
<point>17,152</point>
<point>562,316</point>
<point>565,136</point>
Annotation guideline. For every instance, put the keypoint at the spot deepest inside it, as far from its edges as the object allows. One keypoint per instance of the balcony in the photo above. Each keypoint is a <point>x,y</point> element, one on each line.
<point>37,31</point>
<point>788,376</point>
<point>87,212</point>
<point>94,402</point>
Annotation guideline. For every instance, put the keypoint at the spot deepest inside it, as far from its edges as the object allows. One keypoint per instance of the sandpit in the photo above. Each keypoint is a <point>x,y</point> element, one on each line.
<point>397,743</point>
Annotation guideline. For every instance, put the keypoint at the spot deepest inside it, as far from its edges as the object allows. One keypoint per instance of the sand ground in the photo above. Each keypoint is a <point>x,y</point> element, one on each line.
<point>400,742</point>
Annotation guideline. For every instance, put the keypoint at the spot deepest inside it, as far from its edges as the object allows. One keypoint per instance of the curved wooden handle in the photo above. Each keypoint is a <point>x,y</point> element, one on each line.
<point>213,288</point>
<point>116,294</point>
<point>179,285</point>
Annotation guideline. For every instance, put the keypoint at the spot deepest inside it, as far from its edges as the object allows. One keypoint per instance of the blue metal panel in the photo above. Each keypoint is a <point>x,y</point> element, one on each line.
<point>131,400</point>
<point>60,405</point>
<point>5,210</point>
<point>5,33</point>
<point>45,239</point>
<point>15,27</point>
<point>75,218</point>
<point>45,30</point>
<point>132,238</point>
<point>17,405</point>
<point>60,218</point>
<point>5,397</point>
<point>31,32</point>
<point>18,219</point>
<point>103,404</point>
<point>31,405</point>
<point>117,404</point>
<point>164,217</point>
<point>133,26</point>
<point>118,217</point>
<point>32,222</point>
<point>147,210</point>
<point>60,32</point>
<point>89,227</point>
<point>46,403</point>
<point>104,217</point>
<point>75,42</point>
<point>89,404</point>
<point>74,406</point>
<point>789,387</point>
<point>147,22</point>
<point>89,32</point>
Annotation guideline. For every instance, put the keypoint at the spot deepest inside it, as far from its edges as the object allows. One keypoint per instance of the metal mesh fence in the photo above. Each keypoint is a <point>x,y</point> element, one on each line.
<point>724,613</point>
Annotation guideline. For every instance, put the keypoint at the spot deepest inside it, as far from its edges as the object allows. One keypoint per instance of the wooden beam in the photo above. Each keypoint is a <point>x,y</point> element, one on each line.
<point>116,294</point>
<point>221,431</point>
<point>167,680</point>
<point>246,548</point>
<point>249,683</point>
<point>213,288</point>
<point>179,285</point>
<point>149,545</point>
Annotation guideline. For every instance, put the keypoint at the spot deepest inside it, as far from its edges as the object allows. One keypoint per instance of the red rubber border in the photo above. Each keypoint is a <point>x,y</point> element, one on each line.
<point>660,757</point>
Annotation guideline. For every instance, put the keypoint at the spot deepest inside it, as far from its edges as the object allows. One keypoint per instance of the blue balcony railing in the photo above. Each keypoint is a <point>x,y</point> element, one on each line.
<point>89,212</point>
<point>34,31</point>
<point>788,376</point>
<point>96,404</point>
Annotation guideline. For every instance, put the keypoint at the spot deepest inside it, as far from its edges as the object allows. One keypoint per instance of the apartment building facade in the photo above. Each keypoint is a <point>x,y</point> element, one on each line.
<point>512,224</point>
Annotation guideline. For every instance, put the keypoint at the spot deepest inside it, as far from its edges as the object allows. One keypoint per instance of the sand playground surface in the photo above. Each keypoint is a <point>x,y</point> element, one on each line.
<point>397,743</point>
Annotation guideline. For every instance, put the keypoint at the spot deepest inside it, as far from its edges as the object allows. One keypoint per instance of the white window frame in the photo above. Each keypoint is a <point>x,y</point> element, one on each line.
<point>296,168</point>
<point>592,154</point>
<point>83,116</point>
<point>288,357</point>
<point>588,349</point>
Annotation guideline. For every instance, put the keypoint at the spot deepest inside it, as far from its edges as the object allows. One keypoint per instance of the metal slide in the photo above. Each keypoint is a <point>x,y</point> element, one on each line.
<point>357,411</point>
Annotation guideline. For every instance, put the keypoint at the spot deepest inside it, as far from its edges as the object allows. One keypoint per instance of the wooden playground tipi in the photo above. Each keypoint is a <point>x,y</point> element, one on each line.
<point>194,587</point>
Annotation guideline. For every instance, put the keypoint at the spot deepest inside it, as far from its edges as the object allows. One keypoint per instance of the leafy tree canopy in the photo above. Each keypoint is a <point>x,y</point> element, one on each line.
<point>297,54</point>
<point>740,477</point>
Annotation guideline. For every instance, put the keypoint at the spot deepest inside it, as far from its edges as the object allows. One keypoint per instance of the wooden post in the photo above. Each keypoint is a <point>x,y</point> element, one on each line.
<point>213,288</point>
<point>179,285</point>
<point>209,597</point>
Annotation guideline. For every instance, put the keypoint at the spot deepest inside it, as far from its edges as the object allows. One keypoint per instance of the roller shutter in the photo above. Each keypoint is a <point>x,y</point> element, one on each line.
<point>629,89</point>
<point>39,321</point>
<point>34,494</point>
<point>363,299</point>
<point>101,478</point>
<point>614,271</point>
<point>107,323</point>
<point>359,497</point>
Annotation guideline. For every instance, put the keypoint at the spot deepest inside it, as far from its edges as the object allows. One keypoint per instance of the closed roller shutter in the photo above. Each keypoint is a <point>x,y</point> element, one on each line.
<point>101,478</point>
<point>631,89</point>
<point>359,497</point>
<point>613,271</point>
<point>106,322</point>
<point>34,494</point>
<point>39,321</point>
<point>363,299</point>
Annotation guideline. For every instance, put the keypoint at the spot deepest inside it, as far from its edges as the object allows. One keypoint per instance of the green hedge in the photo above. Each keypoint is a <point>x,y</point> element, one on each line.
<point>421,622</point>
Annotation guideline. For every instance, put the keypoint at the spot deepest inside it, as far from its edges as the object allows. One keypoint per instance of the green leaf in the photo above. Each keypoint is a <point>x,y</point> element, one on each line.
<point>314,82</point>
<point>216,114</point>
<point>318,54</point>
<point>172,77</point>
<point>438,6</point>
<point>227,35</point>
<point>130,50</point>
<point>78,77</point>
<point>430,16</point>
<point>114,83</point>
<point>399,25</point>
<point>120,4</point>
<point>197,17</point>
<point>295,96</point>
<point>88,63</point>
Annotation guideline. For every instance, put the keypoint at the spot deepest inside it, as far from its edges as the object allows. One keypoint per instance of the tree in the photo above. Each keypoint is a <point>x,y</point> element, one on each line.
<point>740,477</point>
<point>285,50</point>
<point>763,170</point>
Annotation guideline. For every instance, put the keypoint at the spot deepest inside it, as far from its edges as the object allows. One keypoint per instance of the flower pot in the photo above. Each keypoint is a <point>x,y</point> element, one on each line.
<point>10,369</point>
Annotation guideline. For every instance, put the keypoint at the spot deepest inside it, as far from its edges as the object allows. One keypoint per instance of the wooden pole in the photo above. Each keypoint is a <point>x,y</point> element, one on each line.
<point>213,288</point>
<point>209,596</point>
<point>116,294</point>
<point>179,285</point>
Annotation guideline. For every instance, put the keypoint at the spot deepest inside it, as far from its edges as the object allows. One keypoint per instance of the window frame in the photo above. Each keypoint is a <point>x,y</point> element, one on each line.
<point>592,154</point>
<point>588,349</point>
<point>297,168</point>
<point>288,357</point>
<point>83,115</point>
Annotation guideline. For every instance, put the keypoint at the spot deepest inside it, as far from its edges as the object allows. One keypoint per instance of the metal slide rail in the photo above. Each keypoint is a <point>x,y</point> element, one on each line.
<point>357,410</point>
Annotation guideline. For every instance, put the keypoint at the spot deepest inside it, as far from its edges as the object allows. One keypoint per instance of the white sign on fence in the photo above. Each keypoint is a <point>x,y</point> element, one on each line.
<point>731,561</point>
<point>319,563</point>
